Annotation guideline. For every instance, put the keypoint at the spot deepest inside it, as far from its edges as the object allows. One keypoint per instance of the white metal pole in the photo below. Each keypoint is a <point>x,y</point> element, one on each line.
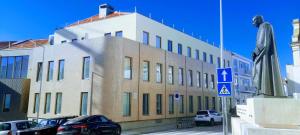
<point>224,103</point>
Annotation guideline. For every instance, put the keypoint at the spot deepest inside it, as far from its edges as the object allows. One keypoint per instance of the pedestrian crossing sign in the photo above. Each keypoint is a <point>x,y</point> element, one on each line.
<point>224,89</point>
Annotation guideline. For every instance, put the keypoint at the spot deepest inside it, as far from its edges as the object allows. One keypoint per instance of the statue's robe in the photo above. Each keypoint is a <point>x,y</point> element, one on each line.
<point>266,72</point>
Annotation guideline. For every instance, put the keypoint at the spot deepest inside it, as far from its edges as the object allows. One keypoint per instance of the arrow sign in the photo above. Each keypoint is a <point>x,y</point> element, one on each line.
<point>224,75</point>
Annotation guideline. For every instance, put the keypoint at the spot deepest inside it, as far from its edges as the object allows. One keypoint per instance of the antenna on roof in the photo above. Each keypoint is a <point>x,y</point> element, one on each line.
<point>134,9</point>
<point>149,15</point>
<point>162,21</point>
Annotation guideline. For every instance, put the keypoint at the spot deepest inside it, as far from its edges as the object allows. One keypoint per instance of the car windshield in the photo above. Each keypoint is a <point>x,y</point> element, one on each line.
<point>202,113</point>
<point>4,126</point>
<point>48,123</point>
<point>25,125</point>
<point>212,112</point>
<point>77,120</point>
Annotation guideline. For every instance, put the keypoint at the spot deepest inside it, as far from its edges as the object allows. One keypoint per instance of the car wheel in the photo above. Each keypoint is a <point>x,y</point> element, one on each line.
<point>117,131</point>
<point>212,122</point>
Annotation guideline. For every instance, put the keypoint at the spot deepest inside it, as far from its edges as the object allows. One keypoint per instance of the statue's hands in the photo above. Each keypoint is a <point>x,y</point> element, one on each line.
<point>254,56</point>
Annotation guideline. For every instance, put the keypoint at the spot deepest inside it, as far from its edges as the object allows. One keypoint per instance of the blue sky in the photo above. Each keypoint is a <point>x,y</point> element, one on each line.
<point>32,19</point>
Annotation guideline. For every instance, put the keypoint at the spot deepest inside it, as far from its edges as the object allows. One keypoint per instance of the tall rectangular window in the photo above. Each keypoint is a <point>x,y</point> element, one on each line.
<point>7,102</point>
<point>47,103</point>
<point>171,104</point>
<point>214,103</point>
<point>189,52</point>
<point>61,69</point>
<point>212,82</point>
<point>145,38</point>
<point>4,61</point>
<point>191,104</point>
<point>228,63</point>
<point>205,77</point>
<point>145,104</point>
<point>190,78</point>
<point>10,67</point>
<point>224,63</point>
<point>206,103</point>
<point>158,104</point>
<point>127,68</point>
<point>198,79</point>
<point>219,62</point>
<point>179,49</point>
<point>158,41</point>
<point>39,71</point>
<point>126,104</point>
<point>107,34</point>
<point>170,46</point>
<point>84,103</point>
<point>181,104</point>
<point>170,75</point>
<point>199,103</point>
<point>197,54</point>
<point>86,68</point>
<point>204,57</point>
<point>158,73</point>
<point>211,59</point>
<point>18,67</point>
<point>36,102</point>
<point>24,69</point>
<point>119,34</point>
<point>180,76</point>
<point>50,71</point>
<point>58,102</point>
<point>146,66</point>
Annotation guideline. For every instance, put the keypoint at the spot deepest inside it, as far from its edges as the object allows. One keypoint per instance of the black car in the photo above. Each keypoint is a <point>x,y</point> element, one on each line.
<point>90,125</point>
<point>46,126</point>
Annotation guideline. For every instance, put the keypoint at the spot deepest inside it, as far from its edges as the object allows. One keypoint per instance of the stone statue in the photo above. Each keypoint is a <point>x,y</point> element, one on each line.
<point>266,72</point>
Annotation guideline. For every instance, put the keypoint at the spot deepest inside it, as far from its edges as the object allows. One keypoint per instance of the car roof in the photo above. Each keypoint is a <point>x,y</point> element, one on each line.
<point>16,121</point>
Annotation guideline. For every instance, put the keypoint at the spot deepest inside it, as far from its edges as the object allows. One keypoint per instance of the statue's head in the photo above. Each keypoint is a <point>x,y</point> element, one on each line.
<point>257,20</point>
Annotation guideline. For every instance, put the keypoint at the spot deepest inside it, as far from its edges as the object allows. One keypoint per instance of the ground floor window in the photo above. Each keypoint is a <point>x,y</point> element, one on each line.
<point>126,104</point>
<point>84,103</point>
<point>199,103</point>
<point>36,102</point>
<point>7,103</point>
<point>158,104</point>
<point>181,104</point>
<point>145,104</point>
<point>191,104</point>
<point>47,103</point>
<point>214,103</point>
<point>171,104</point>
<point>58,103</point>
<point>206,103</point>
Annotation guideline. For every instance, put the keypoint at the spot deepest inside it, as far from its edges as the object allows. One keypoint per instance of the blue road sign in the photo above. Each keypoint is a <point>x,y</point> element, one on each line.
<point>224,89</point>
<point>224,75</point>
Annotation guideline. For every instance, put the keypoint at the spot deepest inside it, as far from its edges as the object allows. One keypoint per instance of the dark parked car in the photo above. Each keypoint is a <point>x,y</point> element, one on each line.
<point>46,126</point>
<point>90,125</point>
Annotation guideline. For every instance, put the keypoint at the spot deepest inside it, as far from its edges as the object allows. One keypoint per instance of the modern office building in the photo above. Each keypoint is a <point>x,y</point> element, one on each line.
<point>293,71</point>
<point>125,66</point>
<point>242,74</point>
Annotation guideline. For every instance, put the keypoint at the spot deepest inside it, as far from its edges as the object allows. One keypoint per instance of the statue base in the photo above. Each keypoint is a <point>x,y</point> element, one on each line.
<point>268,116</point>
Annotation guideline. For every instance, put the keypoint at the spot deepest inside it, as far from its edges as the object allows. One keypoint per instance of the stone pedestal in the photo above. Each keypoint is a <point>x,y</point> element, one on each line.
<point>268,116</point>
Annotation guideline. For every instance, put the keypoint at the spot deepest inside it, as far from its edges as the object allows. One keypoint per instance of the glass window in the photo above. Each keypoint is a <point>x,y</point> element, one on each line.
<point>190,78</point>
<point>39,71</point>
<point>224,63</point>
<point>228,63</point>
<point>213,103</point>
<point>61,68</point>
<point>158,73</point>
<point>171,104</point>
<point>119,34</point>
<point>146,104</point>
<point>145,38</point>
<point>128,68</point>
<point>86,68</point>
<point>206,103</point>
<point>7,103</point>
<point>4,61</point>
<point>211,57</point>
<point>47,103</point>
<point>212,82</point>
<point>18,67</point>
<point>58,103</point>
<point>170,75</point>
<point>198,79</point>
<point>189,52</point>
<point>126,104</point>
<point>191,104</point>
<point>204,57</point>
<point>205,77</point>
<point>36,102</point>
<point>170,46</point>
<point>181,104</point>
<point>107,34</point>
<point>219,62</point>
<point>199,103</point>
<point>10,67</point>
<point>158,104</point>
<point>24,66</point>
<point>146,70</point>
<point>84,103</point>
<point>50,70</point>
<point>158,42</point>
<point>180,49</point>
<point>180,76</point>
<point>197,54</point>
